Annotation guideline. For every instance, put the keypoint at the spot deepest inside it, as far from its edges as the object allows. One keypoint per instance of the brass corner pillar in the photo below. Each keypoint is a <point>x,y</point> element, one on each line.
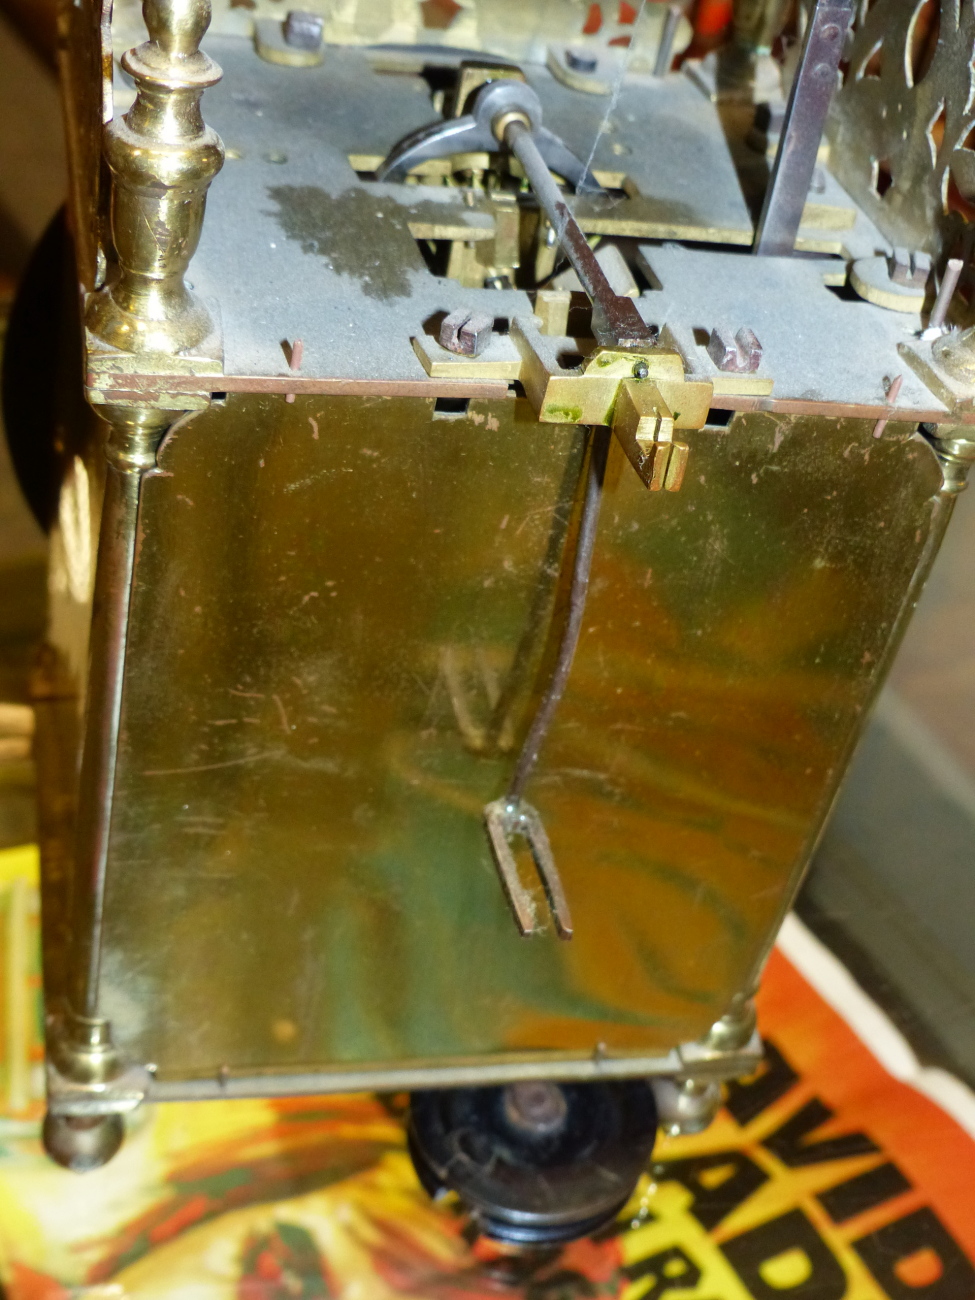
<point>162,158</point>
<point>131,452</point>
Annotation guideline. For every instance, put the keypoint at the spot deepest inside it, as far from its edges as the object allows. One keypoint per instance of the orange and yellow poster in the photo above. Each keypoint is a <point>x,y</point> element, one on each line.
<point>842,1171</point>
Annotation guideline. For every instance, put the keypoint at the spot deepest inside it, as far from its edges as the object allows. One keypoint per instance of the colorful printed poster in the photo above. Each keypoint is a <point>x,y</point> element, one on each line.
<point>842,1170</point>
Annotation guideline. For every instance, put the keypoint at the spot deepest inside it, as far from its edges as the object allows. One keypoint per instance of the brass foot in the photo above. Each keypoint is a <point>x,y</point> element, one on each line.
<point>686,1105</point>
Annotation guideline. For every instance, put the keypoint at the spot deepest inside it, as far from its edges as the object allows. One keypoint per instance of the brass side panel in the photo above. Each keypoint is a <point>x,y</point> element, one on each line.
<point>298,872</point>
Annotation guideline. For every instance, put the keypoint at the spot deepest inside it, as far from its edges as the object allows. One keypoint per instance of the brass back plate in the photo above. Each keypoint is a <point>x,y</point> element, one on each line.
<point>329,595</point>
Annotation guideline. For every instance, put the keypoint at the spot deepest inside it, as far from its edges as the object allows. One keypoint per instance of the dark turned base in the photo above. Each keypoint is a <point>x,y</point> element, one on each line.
<point>80,1143</point>
<point>535,1163</point>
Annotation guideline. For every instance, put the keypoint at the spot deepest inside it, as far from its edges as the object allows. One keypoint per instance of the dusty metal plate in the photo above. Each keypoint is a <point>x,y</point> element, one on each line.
<point>816,346</point>
<point>667,139</point>
<point>294,245</point>
<point>299,876</point>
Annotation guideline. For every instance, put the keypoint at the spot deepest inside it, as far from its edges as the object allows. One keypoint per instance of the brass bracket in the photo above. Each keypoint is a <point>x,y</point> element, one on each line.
<point>644,427</point>
<point>952,386</point>
<point>701,1062</point>
<point>732,1043</point>
<point>86,1077</point>
<point>118,1096</point>
<point>108,370</point>
<point>644,396</point>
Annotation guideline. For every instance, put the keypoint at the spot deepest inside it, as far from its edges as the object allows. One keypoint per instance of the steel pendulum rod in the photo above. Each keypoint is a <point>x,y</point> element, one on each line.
<point>615,319</point>
<point>616,323</point>
<point>511,815</point>
<point>581,567</point>
<point>802,129</point>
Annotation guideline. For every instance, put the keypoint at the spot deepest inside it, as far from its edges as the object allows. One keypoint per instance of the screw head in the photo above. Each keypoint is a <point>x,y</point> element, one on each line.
<point>581,60</point>
<point>641,370</point>
<point>303,30</point>
<point>466,332</point>
<point>535,1106</point>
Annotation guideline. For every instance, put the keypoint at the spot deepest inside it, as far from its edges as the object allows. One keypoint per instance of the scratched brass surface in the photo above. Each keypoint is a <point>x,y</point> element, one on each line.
<point>298,872</point>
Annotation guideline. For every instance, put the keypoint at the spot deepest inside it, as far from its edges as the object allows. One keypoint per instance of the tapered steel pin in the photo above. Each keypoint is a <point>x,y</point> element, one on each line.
<point>294,361</point>
<point>893,392</point>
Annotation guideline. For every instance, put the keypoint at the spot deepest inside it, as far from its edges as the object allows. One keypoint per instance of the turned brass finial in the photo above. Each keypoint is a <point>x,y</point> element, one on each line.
<point>176,27</point>
<point>163,158</point>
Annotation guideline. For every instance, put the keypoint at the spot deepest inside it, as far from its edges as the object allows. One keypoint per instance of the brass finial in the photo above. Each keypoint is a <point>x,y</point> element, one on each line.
<point>163,158</point>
